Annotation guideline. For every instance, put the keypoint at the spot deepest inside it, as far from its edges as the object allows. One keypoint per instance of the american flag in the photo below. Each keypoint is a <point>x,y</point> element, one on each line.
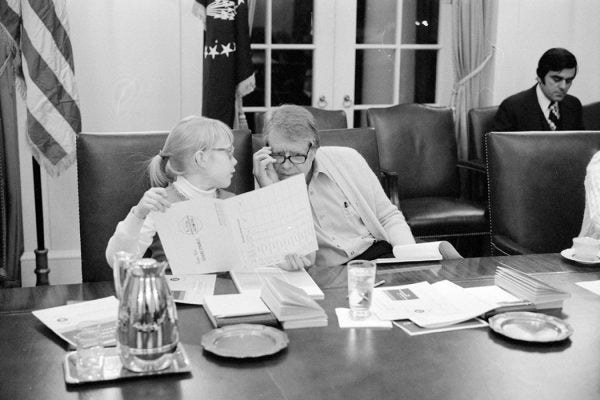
<point>37,34</point>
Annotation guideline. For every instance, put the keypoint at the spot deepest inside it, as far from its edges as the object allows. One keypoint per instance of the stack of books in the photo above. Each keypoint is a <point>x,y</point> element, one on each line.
<point>291,305</point>
<point>242,308</point>
<point>528,288</point>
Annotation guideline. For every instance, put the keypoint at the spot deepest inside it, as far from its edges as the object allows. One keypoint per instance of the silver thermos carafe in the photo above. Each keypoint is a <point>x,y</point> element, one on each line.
<point>147,331</point>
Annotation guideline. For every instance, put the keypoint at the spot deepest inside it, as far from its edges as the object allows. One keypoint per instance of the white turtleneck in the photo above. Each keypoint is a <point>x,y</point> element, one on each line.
<point>135,235</point>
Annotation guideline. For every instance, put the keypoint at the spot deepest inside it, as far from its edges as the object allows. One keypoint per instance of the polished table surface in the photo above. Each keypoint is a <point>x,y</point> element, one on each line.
<point>329,362</point>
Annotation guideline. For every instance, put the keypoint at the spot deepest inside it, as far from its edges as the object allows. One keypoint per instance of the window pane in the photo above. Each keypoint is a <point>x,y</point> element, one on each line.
<point>256,98</point>
<point>292,21</point>
<point>417,76</point>
<point>420,21</point>
<point>376,21</point>
<point>291,75</point>
<point>257,31</point>
<point>374,79</point>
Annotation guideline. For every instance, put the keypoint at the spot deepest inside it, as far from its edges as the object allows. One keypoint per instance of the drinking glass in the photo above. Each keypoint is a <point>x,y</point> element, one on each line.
<point>90,352</point>
<point>361,278</point>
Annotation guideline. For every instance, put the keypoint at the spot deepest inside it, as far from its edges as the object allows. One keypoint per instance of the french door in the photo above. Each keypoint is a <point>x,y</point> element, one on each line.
<point>345,54</point>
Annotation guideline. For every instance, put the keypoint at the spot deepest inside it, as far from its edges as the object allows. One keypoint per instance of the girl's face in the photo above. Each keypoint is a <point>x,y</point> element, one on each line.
<point>218,164</point>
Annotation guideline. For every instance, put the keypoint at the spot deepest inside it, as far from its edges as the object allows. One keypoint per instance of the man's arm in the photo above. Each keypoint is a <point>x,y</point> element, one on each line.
<point>504,119</point>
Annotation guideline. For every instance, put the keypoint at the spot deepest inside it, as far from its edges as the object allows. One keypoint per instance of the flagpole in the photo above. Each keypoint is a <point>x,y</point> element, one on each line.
<point>41,253</point>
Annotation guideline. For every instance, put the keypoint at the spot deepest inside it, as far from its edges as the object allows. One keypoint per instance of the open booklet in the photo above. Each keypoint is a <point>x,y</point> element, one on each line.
<point>417,252</point>
<point>252,281</point>
<point>291,305</point>
<point>254,229</point>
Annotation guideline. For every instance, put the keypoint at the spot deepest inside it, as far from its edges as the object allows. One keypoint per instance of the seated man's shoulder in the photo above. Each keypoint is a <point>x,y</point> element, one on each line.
<point>517,98</point>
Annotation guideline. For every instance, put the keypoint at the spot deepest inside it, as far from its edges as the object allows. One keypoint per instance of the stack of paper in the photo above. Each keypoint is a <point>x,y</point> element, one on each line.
<point>252,281</point>
<point>243,308</point>
<point>291,305</point>
<point>529,288</point>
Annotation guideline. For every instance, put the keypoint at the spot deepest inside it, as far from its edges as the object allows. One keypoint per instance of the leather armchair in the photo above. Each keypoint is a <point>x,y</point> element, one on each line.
<point>111,178</point>
<point>537,194</point>
<point>417,142</point>
<point>591,116</point>
<point>480,121</point>
<point>325,119</point>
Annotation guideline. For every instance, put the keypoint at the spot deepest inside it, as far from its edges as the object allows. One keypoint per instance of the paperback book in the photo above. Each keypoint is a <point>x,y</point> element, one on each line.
<point>291,305</point>
<point>241,308</point>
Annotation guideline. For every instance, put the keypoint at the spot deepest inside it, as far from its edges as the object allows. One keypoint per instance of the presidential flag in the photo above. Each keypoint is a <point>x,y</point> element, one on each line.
<point>37,34</point>
<point>228,71</point>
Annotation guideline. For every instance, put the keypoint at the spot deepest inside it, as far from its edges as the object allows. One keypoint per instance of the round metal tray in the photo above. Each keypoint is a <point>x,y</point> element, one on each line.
<point>530,326</point>
<point>244,341</point>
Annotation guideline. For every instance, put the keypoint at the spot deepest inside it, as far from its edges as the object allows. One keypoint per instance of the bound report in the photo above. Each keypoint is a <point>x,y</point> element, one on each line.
<point>252,281</point>
<point>242,308</point>
<point>291,305</point>
<point>254,229</point>
<point>529,288</point>
<point>428,251</point>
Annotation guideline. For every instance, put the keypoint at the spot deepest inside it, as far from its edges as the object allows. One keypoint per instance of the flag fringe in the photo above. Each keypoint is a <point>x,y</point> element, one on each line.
<point>54,170</point>
<point>200,12</point>
<point>246,86</point>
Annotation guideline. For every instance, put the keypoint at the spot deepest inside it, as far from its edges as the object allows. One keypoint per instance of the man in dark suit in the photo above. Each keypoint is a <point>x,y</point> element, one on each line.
<point>545,106</point>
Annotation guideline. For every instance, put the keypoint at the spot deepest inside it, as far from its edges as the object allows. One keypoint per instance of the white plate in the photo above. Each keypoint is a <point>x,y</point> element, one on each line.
<point>569,255</point>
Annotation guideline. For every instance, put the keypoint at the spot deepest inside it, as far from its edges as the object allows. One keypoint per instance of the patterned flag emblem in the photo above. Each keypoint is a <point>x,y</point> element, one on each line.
<point>37,33</point>
<point>228,71</point>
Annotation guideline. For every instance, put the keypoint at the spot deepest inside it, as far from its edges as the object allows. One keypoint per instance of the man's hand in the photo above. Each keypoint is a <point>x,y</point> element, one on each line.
<point>263,169</point>
<point>294,262</point>
<point>155,199</point>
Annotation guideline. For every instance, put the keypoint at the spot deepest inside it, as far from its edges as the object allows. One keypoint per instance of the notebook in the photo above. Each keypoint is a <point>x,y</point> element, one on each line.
<point>241,308</point>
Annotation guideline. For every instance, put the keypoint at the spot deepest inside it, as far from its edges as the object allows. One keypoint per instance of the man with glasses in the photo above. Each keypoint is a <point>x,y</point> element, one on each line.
<point>353,216</point>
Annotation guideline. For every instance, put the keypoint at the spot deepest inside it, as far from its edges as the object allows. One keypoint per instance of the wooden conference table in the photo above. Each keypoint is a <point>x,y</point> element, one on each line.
<point>333,363</point>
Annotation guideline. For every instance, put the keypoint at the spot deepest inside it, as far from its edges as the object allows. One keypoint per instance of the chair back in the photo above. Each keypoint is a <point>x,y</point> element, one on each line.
<point>591,116</point>
<point>479,122</point>
<point>418,143</point>
<point>111,178</point>
<point>362,140</point>
<point>325,119</point>
<point>536,188</point>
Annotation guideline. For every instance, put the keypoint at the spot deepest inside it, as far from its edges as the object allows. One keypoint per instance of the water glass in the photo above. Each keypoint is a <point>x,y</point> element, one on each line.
<point>90,352</point>
<point>361,279</point>
<point>122,261</point>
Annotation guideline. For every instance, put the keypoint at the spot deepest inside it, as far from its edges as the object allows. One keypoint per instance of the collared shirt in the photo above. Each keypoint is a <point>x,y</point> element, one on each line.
<point>341,233</point>
<point>544,102</point>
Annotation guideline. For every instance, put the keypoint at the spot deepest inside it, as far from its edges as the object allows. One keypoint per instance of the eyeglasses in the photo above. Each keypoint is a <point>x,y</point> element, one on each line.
<point>229,150</point>
<point>294,159</point>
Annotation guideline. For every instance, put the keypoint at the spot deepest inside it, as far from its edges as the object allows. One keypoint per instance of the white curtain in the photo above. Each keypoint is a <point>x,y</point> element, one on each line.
<point>473,27</point>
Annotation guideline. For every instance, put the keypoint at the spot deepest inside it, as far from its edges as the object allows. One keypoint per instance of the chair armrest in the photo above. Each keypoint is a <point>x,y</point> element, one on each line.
<point>389,181</point>
<point>507,246</point>
<point>472,165</point>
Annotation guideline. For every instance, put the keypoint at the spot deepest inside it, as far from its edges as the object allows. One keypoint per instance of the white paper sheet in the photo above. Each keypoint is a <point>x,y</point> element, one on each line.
<point>592,286</point>
<point>66,321</point>
<point>191,289</point>
<point>428,305</point>
<point>346,321</point>
<point>251,230</point>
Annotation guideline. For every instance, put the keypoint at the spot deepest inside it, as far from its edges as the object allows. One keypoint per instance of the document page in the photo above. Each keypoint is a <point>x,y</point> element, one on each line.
<point>272,222</point>
<point>66,321</point>
<point>428,305</point>
<point>254,229</point>
<point>191,289</point>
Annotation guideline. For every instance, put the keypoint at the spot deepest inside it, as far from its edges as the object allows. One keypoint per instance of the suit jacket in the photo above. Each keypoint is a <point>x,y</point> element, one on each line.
<point>522,112</point>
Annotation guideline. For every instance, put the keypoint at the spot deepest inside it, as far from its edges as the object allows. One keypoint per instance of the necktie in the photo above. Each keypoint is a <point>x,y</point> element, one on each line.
<point>554,116</point>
